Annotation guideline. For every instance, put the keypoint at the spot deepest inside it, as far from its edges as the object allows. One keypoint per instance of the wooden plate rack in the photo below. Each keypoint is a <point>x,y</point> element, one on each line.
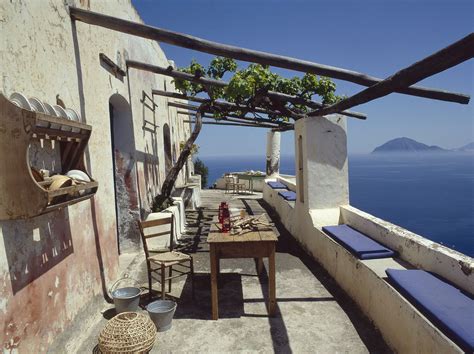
<point>21,196</point>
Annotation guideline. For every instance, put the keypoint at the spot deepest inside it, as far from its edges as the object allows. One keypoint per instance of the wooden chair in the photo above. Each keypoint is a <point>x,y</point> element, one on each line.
<point>159,260</point>
<point>231,182</point>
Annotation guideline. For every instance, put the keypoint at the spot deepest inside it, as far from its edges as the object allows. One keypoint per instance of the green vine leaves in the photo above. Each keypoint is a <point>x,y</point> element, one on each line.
<point>248,87</point>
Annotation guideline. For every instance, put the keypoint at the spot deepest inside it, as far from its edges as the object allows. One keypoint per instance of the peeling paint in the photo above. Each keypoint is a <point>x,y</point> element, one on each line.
<point>51,266</point>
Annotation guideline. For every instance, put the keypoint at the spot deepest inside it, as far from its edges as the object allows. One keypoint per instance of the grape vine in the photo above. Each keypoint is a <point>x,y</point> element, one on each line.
<point>249,87</point>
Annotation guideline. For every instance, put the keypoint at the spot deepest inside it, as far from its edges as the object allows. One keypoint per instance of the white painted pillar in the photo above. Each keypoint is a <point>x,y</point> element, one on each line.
<point>273,153</point>
<point>321,162</point>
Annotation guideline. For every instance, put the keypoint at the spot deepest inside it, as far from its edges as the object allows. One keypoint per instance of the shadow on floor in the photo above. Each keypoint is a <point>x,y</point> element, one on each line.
<point>231,303</point>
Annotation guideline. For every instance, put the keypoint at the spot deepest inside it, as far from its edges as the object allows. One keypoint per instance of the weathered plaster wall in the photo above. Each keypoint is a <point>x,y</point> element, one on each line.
<point>51,266</point>
<point>321,162</point>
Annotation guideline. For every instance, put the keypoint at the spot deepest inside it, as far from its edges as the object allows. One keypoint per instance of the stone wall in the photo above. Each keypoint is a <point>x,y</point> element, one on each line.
<point>51,266</point>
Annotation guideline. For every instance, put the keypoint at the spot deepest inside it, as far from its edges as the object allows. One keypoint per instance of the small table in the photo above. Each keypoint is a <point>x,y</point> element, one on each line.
<point>250,178</point>
<point>253,244</point>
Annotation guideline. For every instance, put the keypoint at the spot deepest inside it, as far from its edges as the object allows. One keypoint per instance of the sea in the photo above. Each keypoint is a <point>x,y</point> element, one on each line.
<point>429,194</point>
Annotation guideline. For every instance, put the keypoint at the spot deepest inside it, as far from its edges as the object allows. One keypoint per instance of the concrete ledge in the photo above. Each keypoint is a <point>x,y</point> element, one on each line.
<point>403,327</point>
<point>289,181</point>
<point>284,208</point>
<point>417,250</point>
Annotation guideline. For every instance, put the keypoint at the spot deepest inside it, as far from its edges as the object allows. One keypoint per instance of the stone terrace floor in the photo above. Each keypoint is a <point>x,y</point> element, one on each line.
<point>313,313</point>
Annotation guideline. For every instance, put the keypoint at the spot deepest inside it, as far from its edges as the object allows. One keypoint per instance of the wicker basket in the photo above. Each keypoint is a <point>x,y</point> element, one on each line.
<point>128,332</point>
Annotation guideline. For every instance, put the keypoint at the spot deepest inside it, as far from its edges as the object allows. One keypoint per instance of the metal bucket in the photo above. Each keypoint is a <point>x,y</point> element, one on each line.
<point>126,299</point>
<point>161,313</point>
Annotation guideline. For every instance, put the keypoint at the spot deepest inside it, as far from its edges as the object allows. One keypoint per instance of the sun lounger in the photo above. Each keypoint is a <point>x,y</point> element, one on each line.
<point>276,185</point>
<point>446,306</point>
<point>288,195</point>
<point>357,243</point>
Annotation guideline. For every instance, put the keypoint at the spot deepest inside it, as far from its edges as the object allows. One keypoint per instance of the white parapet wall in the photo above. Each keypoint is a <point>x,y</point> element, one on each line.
<point>321,183</point>
<point>417,250</point>
<point>403,327</point>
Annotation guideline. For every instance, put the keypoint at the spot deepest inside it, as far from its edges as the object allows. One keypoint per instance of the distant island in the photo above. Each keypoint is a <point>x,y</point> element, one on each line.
<point>409,145</point>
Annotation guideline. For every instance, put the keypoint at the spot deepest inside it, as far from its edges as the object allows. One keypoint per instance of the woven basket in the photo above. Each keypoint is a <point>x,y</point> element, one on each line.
<point>128,332</point>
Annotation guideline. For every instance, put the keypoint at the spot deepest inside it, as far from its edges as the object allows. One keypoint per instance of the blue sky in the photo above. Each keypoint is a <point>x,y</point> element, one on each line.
<point>375,37</point>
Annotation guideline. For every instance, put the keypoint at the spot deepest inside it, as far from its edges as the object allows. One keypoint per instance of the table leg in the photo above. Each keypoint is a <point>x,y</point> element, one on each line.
<point>259,262</point>
<point>214,300</point>
<point>271,282</point>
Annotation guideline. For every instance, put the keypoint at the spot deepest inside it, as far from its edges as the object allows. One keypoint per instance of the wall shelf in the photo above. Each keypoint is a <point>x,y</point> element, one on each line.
<point>21,196</point>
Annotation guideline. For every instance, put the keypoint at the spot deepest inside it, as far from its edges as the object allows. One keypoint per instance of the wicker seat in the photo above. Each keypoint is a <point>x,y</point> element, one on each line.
<point>169,258</point>
<point>159,261</point>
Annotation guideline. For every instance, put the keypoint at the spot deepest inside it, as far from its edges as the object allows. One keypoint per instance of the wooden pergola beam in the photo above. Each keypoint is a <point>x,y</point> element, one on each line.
<point>249,55</point>
<point>241,125</point>
<point>195,108</point>
<point>223,104</point>
<point>245,120</point>
<point>169,71</point>
<point>446,58</point>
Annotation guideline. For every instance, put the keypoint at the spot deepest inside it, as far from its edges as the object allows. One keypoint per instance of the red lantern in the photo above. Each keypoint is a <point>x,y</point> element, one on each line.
<point>225,219</point>
<point>222,206</point>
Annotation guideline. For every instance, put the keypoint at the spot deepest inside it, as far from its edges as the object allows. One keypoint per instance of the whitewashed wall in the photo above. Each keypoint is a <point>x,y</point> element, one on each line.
<point>51,266</point>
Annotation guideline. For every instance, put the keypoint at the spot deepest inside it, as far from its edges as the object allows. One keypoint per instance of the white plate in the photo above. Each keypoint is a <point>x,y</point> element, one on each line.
<point>49,109</point>
<point>21,100</point>
<point>60,112</point>
<point>79,175</point>
<point>72,115</point>
<point>16,103</point>
<point>52,112</point>
<point>37,105</point>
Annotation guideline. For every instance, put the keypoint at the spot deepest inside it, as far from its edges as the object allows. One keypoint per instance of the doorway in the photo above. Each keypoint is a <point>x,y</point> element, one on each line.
<point>127,208</point>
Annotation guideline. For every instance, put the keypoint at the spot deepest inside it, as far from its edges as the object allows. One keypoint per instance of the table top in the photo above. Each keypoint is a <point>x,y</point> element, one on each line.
<point>264,233</point>
<point>248,176</point>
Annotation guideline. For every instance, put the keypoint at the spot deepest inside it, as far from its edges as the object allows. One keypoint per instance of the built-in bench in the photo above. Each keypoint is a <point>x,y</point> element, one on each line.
<point>288,195</point>
<point>276,185</point>
<point>445,305</point>
<point>359,244</point>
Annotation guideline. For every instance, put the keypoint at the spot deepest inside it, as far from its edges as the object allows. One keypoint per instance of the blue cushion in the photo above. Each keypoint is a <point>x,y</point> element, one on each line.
<point>358,243</point>
<point>445,305</point>
<point>288,195</point>
<point>276,185</point>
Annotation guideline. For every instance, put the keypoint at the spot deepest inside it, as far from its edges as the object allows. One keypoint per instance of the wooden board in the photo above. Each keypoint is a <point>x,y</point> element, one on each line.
<point>265,234</point>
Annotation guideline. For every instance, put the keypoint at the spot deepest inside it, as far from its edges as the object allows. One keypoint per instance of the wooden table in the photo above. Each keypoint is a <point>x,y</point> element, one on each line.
<point>250,178</point>
<point>253,244</point>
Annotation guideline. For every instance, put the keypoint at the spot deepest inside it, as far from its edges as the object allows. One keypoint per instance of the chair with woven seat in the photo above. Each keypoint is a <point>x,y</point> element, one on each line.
<point>159,260</point>
<point>232,183</point>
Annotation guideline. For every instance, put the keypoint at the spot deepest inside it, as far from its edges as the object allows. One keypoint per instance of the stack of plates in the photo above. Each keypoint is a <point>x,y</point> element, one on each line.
<point>20,100</point>
<point>35,104</point>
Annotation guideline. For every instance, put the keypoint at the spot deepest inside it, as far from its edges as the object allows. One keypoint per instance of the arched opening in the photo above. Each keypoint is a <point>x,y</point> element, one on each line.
<point>167,143</point>
<point>125,181</point>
